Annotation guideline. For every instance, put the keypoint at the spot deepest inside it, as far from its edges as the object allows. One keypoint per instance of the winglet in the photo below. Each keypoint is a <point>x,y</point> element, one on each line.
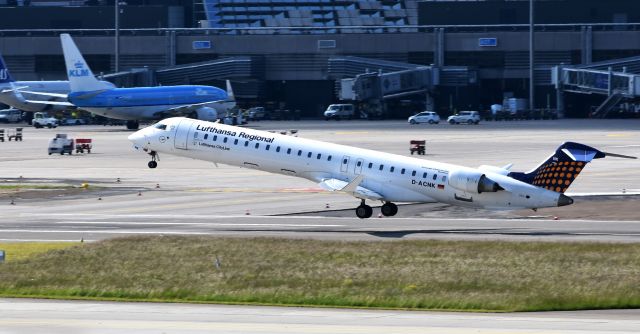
<point>353,185</point>
<point>81,79</point>
<point>230,95</point>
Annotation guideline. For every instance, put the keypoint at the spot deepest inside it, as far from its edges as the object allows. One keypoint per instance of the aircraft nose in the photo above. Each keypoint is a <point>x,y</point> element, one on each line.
<point>564,200</point>
<point>138,138</point>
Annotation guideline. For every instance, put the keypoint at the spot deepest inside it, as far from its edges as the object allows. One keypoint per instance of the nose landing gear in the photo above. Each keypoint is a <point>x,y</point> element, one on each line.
<point>154,156</point>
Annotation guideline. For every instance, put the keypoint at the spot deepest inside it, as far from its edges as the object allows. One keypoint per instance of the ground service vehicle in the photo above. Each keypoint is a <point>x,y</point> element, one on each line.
<point>468,117</point>
<point>61,144</point>
<point>41,119</point>
<point>417,146</point>
<point>10,115</point>
<point>424,117</point>
<point>338,111</point>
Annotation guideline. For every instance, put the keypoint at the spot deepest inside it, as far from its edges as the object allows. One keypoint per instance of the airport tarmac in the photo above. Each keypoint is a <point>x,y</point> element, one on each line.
<point>184,196</point>
<point>48,316</point>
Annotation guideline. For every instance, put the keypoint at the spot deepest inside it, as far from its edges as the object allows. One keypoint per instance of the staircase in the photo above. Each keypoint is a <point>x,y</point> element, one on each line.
<point>603,110</point>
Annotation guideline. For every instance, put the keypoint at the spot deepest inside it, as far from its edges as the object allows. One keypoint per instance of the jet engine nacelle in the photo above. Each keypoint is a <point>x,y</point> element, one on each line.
<point>472,181</point>
<point>207,114</point>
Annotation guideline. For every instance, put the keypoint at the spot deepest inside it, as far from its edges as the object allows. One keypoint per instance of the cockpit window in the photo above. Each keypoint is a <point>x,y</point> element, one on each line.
<point>161,126</point>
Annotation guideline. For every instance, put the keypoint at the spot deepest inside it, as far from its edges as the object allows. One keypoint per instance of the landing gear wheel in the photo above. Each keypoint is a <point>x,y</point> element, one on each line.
<point>389,209</point>
<point>133,125</point>
<point>364,211</point>
<point>154,156</point>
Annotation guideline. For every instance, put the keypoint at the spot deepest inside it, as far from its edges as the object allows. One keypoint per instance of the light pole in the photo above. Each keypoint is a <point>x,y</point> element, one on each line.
<point>531,58</point>
<point>117,35</point>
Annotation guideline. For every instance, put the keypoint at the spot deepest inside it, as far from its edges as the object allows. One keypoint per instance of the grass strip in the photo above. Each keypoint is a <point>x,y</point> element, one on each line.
<point>444,275</point>
<point>16,251</point>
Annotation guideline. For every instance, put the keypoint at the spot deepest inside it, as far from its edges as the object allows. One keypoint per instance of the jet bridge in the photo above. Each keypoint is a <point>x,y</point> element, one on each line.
<point>618,80</point>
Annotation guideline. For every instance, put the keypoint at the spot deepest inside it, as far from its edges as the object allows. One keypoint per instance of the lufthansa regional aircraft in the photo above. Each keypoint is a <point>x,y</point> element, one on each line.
<point>133,104</point>
<point>371,175</point>
<point>11,92</point>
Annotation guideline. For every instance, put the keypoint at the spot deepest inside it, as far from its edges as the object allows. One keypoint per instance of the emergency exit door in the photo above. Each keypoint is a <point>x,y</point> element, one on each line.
<point>182,134</point>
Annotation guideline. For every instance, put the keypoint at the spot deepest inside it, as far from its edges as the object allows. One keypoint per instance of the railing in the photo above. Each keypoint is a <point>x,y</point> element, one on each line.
<point>326,30</point>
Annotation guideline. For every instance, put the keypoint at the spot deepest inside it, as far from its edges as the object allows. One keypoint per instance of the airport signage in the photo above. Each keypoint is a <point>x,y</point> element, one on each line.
<point>483,42</point>
<point>201,45</point>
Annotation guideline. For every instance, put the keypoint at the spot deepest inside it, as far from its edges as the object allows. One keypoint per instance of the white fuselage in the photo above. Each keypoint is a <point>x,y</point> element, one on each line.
<point>396,178</point>
<point>10,94</point>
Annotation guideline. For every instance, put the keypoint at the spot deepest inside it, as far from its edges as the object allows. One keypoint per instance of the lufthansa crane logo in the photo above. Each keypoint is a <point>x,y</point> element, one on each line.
<point>163,139</point>
<point>79,70</point>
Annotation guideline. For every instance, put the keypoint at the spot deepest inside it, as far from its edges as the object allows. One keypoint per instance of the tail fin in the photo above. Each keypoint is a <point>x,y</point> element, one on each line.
<point>81,79</point>
<point>5,76</point>
<point>230,95</point>
<point>558,171</point>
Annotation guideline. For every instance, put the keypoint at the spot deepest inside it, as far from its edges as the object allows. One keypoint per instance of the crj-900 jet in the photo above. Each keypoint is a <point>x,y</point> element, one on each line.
<point>133,104</point>
<point>371,175</point>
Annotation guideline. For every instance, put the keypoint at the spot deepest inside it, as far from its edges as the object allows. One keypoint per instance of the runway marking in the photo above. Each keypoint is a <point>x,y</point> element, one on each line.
<point>195,224</point>
<point>290,217</point>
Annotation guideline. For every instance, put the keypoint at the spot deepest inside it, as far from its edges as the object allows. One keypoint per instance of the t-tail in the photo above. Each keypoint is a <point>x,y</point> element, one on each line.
<point>5,76</point>
<point>81,79</point>
<point>561,169</point>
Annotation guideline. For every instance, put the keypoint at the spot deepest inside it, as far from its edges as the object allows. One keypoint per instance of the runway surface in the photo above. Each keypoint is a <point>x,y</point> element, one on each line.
<point>51,317</point>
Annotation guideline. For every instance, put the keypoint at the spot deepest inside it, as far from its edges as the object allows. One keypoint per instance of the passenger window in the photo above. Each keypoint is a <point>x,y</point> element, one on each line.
<point>329,158</point>
<point>225,140</point>
<point>257,145</point>
<point>392,169</point>
<point>215,137</point>
<point>435,176</point>
<point>235,142</point>
<point>309,155</point>
<point>278,149</point>
<point>359,163</point>
<point>413,173</point>
<point>195,135</point>
<point>319,156</point>
<point>402,171</point>
<point>381,167</point>
<point>246,143</point>
<point>206,136</point>
<point>344,162</point>
<point>288,151</point>
<point>424,175</point>
<point>267,148</point>
<point>299,152</point>
<point>370,165</point>
<point>444,179</point>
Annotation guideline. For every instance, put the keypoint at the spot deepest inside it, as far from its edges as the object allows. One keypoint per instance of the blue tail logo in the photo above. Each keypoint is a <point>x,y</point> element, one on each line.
<point>5,76</point>
<point>561,169</point>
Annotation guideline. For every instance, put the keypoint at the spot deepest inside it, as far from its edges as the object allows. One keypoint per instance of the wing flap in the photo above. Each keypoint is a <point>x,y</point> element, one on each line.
<point>54,103</point>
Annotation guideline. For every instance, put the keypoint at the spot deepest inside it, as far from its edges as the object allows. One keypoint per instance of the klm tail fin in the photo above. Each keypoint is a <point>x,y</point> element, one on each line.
<point>81,79</point>
<point>5,76</point>
<point>558,171</point>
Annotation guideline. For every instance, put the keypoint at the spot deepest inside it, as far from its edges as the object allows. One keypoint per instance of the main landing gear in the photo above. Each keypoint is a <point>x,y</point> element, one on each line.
<point>387,209</point>
<point>154,156</point>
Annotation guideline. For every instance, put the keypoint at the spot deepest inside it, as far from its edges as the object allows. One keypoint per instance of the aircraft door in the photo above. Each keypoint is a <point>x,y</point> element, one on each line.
<point>344,167</point>
<point>358,168</point>
<point>182,133</point>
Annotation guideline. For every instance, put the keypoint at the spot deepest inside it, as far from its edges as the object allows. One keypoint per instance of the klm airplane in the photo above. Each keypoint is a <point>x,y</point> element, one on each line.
<point>372,175</point>
<point>11,92</point>
<point>133,104</point>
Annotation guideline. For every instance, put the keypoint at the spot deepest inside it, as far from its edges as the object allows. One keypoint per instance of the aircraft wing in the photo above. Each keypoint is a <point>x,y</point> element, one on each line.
<point>54,103</point>
<point>352,188</point>
<point>57,95</point>
<point>188,108</point>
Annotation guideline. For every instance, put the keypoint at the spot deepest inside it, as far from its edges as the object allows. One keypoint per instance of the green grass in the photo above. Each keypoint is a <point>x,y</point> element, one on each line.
<point>15,251</point>
<point>445,275</point>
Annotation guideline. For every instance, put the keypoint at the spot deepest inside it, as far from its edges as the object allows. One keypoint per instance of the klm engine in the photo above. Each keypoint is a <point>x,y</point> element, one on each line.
<point>206,114</point>
<point>472,181</point>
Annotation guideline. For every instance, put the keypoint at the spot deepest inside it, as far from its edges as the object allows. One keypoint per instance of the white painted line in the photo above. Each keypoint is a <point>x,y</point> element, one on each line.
<point>195,224</point>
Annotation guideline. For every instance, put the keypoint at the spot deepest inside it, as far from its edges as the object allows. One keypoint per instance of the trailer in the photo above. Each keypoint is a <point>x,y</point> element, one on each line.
<point>418,146</point>
<point>83,144</point>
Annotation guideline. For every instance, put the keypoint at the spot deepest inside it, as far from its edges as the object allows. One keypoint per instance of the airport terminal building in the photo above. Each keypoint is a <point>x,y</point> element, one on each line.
<point>391,58</point>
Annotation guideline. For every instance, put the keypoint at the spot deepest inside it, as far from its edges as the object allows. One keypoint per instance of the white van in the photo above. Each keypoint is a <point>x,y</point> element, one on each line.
<point>338,111</point>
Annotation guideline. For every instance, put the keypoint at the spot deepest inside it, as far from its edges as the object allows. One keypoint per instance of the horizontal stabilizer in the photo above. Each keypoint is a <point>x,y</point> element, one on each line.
<point>57,95</point>
<point>352,188</point>
<point>52,103</point>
